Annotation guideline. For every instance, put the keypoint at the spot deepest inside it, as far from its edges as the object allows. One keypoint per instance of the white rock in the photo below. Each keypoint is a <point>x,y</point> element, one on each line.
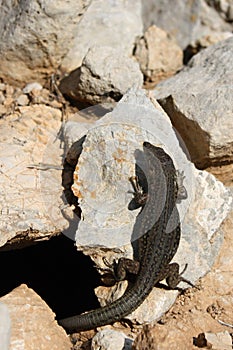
<point>22,100</point>
<point>5,327</point>
<point>32,86</point>
<point>108,339</point>
<point>105,23</point>
<point>105,75</point>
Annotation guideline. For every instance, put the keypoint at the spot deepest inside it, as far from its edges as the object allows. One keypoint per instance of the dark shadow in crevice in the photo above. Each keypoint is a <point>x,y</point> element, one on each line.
<point>54,269</point>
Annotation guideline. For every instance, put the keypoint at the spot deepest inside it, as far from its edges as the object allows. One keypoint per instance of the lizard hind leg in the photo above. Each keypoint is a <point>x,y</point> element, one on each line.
<point>174,277</point>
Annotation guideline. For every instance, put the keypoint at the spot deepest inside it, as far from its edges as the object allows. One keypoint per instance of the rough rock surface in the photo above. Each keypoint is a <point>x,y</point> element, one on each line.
<point>213,17</point>
<point>159,56</point>
<point>203,42</point>
<point>29,137</point>
<point>105,75</point>
<point>108,339</point>
<point>192,20</point>
<point>102,187</point>
<point>181,24</point>
<point>199,102</point>
<point>105,23</point>
<point>33,39</point>
<point>35,43</point>
<point>33,324</point>
<point>5,327</point>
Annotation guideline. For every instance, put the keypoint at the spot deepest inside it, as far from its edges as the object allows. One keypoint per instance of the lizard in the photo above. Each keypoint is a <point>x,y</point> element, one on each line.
<point>156,245</point>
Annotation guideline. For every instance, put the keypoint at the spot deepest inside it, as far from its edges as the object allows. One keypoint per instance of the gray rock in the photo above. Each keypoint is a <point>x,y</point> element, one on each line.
<point>105,75</point>
<point>105,23</point>
<point>199,101</point>
<point>179,20</point>
<point>192,20</point>
<point>108,339</point>
<point>33,39</point>
<point>5,327</point>
<point>224,7</point>
<point>204,41</point>
<point>101,183</point>
<point>211,22</point>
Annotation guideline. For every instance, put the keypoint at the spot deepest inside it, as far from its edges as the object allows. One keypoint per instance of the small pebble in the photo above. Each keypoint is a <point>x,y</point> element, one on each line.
<point>22,100</point>
<point>32,86</point>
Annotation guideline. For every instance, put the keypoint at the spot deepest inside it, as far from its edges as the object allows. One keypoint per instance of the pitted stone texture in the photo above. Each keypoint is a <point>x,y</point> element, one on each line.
<point>106,23</point>
<point>33,38</point>
<point>158,55</point>
<point>33,324</point>
<point>105,75</point>
<point>30,198</point>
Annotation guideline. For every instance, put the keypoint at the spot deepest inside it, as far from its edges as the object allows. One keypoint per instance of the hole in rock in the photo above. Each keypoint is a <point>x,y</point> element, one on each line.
<point>63,277</point>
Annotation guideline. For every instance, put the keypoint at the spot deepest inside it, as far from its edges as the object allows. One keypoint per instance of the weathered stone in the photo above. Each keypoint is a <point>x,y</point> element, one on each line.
<point>211,22</point>
<point>33,39</point>
<point>204,41</point>
<point>199,101</point>
<point>105,23</point>
<point>30,197</point>
<point>22,100</point>
<point>5,327</point>
<point>193,20</point>
<point>105,75</point>
<point>159,56</point>
<point>32,86</point>
<point>181,23</point>
<point>33,324</point>
<point>215,341</point>
<point>224,7</point>
<point>108,339</point>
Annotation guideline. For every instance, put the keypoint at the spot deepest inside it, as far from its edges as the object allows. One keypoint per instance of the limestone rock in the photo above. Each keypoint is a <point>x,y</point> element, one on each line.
<point>5,327</point>
<point>30,197</point>
<point>105,75</point>
<point>158,55</point>
<point>199,101</point>
<point>33,39</point>
<point>108,339</point>
<point>105,23</point>
<point>33,323</point>
<point>212,25</point>
<point>204,41</point>
<point>218,341</point>
<point>180,24</point>
<point>193,20</point>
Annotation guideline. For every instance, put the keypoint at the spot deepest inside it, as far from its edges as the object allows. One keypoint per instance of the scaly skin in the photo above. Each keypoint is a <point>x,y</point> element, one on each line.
<point>156,246</point>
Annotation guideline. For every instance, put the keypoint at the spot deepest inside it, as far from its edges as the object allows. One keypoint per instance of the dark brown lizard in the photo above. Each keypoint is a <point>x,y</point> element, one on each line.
<point>157,244</point>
